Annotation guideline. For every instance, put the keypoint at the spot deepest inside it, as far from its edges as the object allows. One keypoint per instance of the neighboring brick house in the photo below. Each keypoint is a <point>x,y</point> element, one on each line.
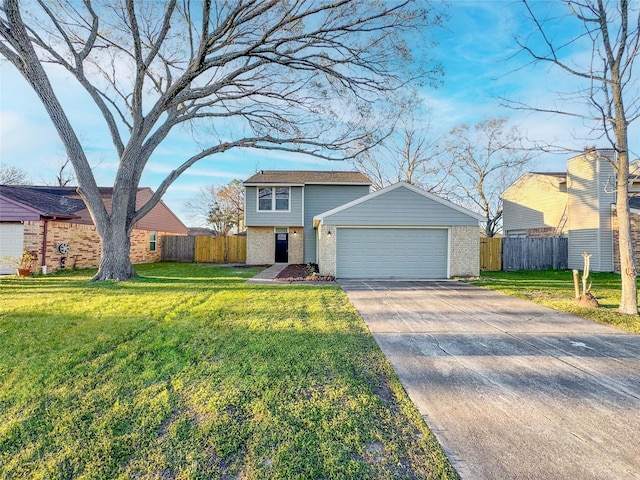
<point>578,204</point>
<point>331,219</point>
<point>54,223</point>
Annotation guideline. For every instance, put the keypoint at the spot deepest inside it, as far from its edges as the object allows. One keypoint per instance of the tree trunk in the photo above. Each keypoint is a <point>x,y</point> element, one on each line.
<point>115,263</point>
<point>629,293</point>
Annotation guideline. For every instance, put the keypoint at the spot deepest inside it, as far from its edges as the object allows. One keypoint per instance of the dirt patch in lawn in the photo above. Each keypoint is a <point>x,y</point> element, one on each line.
<point>300,273</point>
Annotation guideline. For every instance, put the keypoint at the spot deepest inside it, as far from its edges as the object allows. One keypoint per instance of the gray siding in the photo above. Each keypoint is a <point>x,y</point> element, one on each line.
<point>400,207</point>
<point>322,198</point>
<point>591,188</point>
<point>254,218</point>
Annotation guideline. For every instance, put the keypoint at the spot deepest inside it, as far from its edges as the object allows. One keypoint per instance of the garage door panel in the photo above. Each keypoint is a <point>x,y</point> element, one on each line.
<point>391,253</point>
<point>11,244</point>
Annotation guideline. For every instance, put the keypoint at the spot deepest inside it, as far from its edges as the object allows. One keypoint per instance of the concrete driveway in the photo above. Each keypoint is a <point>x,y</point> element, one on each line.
<point>512,390</point>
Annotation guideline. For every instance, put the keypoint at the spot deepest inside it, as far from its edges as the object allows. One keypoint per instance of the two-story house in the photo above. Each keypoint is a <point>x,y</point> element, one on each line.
<point>280,206</point>
<point>578,204</point>
<point>332,219</point>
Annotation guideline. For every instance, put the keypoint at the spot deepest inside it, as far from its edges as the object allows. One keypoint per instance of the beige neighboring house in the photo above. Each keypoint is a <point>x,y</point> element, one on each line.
<point>578,204</point>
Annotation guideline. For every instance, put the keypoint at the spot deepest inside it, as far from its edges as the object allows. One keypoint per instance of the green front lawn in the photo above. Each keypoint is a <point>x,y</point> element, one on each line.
<point>187,372</point>
<point>554,288</point>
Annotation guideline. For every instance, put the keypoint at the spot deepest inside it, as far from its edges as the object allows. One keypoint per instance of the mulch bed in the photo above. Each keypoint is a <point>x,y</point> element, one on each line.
<point>299,273</point>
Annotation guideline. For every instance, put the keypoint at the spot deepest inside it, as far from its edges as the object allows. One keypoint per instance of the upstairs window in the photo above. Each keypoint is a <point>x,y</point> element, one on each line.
<point>282,198</point>
<point>273,199</point>
<point>265,198</point>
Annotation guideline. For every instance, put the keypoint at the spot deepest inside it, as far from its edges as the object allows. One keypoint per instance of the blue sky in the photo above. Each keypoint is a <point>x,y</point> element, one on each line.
<point>480,58</point>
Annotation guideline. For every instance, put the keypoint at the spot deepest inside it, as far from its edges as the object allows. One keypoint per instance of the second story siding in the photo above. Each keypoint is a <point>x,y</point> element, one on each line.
<point>591,187</point>
<point>322,198</point>
<point>536,200</point>
<point>275,218</point>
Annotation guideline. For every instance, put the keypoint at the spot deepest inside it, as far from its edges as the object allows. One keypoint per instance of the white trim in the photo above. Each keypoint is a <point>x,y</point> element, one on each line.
<point>154,241</point>
<point>302,217</point>
<point>449,252</point>
<point>403,227</point>
<point>262,184</point>
<point>390,188</point>
<point>339,183</point>
<point>273,184</point>
<point>273,199</point>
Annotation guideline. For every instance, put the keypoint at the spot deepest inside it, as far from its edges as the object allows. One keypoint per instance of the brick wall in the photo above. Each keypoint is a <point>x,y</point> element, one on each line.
<point>465,252</point>
<point>541,232</point>
<point>327,250</point>
<point>635,238</point>
<point>296,245</point>
<point>261,245</point>
<point>84,244</point>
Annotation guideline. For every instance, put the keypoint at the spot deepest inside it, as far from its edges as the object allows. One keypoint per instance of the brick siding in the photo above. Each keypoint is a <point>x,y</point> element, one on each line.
<point>635,238</point>
<point>465,252</point>
<point>541,232</point>
<point>261,245</point>
<point>84,244</point>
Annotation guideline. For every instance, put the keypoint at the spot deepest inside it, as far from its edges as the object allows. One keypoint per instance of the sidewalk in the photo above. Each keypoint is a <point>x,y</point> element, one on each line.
<point>268,275</point>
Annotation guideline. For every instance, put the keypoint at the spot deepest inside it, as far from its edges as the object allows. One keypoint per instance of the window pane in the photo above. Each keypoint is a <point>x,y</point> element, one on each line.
<point>282,199</point>
<point>153,238</point>
<point>264,198</point>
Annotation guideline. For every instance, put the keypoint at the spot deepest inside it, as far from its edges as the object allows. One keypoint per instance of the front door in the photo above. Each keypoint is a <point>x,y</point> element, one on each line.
<point>282,248</point>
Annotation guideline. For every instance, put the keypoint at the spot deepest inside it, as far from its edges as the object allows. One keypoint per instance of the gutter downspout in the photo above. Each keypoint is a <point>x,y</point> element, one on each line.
<point>43,263</point>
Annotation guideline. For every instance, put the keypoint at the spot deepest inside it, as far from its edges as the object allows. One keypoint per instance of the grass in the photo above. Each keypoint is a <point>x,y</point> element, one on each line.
<point>554,288</point>
<point>188,372</point>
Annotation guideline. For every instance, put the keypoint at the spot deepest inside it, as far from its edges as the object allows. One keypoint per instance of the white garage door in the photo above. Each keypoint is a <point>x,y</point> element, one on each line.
<point>11,244</point>
<point>391,252</point>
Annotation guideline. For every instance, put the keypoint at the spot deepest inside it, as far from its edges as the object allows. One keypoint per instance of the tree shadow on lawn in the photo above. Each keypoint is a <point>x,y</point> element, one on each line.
<point>218,401</point>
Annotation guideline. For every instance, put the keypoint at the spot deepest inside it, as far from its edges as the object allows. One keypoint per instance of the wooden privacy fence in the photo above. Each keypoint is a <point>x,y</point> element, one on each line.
<point>535,253</point>
<point>221,249</point>
<point>490,254</point>
<point>204,249</point>
<point>177,249</point>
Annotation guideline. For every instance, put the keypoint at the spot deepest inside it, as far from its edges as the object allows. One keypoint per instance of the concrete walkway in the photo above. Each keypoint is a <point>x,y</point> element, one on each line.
<point>269,274</point>
<point>512,390</point>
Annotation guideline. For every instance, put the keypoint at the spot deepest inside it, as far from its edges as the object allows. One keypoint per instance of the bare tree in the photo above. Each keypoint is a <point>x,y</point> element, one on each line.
<point>12,175</point>
<point>410,154</point>
<point>221,206</point>
<point>486,159</point>
<point>64,175</point>
<point>301,76</point>
<point>609,99</point>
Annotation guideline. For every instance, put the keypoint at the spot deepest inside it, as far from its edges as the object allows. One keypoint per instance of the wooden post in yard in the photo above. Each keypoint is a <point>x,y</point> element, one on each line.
<point>576,283</point>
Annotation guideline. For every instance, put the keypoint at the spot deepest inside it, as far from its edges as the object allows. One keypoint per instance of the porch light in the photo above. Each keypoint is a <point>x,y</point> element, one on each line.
<point>329,233</point>
<point>295,233</point>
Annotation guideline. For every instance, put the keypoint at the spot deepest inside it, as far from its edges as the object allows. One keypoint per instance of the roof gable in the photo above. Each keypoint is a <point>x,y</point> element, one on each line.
<point>306,177</point>
<point>558,178</point>
<point>430,197</point>
<point>44,202</point>
<point>65,203</point>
